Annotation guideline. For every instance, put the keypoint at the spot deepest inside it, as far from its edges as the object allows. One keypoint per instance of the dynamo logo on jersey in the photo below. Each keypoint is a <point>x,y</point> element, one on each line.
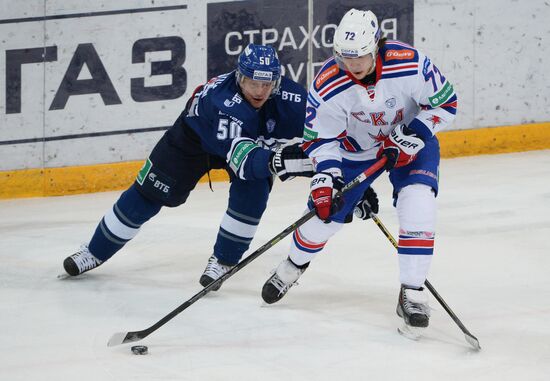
<point>270,124</point>
<point>262,75</point>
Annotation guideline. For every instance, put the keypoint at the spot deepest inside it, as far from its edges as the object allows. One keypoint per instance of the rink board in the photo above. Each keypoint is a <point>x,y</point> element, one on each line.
<point>107,177</point>
<point>89,88</point>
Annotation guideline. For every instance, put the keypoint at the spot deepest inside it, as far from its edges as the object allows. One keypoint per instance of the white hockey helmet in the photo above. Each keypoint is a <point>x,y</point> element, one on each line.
<point>357,35</point>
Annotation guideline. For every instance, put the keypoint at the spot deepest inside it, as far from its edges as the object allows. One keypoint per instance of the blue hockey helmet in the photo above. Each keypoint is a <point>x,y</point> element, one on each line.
<point>260,63</point>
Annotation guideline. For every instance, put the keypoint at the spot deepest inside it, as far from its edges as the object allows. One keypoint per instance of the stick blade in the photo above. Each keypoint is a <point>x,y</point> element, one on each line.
<point>473,341</point>
<point>122,338</point>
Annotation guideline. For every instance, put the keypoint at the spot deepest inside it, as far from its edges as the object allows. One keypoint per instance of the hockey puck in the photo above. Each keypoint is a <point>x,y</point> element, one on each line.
<point>139,350</point>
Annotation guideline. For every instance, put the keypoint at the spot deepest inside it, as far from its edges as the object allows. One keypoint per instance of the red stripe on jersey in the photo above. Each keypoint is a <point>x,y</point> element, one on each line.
<point>349,147</point>
<point>392,68</point>
<point>452,104</point>
<point>306,145</point>
<point>333,85</point>
<point>343,134</point>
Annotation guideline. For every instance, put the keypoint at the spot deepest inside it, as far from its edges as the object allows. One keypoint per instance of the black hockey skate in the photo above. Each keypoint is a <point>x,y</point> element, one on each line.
<point>80,262</point>
<point>214,270</point>
<point>285,276</point>
<point>413,307</point>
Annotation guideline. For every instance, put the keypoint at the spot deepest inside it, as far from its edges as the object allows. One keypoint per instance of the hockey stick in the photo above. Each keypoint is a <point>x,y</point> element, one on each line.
<point>471,339</point>
<point>129,337</point>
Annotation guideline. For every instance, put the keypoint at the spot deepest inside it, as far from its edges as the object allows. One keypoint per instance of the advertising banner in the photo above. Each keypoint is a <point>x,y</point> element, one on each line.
<point>284,24</point>
<point>99,83</point>
<point>94,87</point>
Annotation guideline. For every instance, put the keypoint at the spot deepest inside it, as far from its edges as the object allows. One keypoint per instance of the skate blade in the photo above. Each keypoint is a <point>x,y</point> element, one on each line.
<point>412,333</point>
<point>64,276</point>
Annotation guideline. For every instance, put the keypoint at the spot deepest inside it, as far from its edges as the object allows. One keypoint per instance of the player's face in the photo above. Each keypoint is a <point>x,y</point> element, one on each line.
<point>359,67</point>
<point>256,92</point>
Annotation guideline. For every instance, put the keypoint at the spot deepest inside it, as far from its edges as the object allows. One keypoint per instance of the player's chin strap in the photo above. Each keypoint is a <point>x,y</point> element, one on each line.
<point>471,339</point>
<point>129,337</point>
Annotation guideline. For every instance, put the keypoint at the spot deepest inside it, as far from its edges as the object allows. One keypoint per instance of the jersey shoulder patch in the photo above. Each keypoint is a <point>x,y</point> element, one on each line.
<point>329,73</point>
<point>331,80</point>
<point>395,52</point>
<point>398,60</point>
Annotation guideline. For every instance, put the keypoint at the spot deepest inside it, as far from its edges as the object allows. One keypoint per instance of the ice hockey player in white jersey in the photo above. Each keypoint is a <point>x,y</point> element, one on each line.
<point>373,98</point>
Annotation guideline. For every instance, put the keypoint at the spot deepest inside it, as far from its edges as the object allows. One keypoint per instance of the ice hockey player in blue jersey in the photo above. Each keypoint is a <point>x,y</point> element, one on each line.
<point>249,122</point>
<point>374,98</point>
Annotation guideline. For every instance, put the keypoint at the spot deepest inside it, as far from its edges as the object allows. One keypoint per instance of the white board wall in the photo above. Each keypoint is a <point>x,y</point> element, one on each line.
<point>494,52</point>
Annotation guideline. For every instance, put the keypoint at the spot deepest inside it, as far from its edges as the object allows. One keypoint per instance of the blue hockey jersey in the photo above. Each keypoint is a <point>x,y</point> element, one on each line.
<point>230,127</point>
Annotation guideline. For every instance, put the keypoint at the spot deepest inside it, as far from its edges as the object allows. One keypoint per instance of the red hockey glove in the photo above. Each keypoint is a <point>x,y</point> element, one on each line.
<point>323,187</point>
<point>400,147</point>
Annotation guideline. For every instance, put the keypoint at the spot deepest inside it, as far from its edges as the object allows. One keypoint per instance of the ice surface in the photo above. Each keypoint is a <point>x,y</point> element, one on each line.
<point>492,266</point>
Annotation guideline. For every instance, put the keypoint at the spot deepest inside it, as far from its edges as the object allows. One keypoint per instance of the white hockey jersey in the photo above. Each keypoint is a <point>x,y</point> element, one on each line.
<point>348,119</point>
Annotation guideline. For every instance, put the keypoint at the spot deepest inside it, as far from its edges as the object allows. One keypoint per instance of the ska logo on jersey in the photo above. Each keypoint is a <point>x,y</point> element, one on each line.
<point>360,116</point>
<point>378,118</point>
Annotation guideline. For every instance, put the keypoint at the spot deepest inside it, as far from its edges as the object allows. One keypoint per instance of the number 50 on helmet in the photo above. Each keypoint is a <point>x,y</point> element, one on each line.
<point>260,63</point>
